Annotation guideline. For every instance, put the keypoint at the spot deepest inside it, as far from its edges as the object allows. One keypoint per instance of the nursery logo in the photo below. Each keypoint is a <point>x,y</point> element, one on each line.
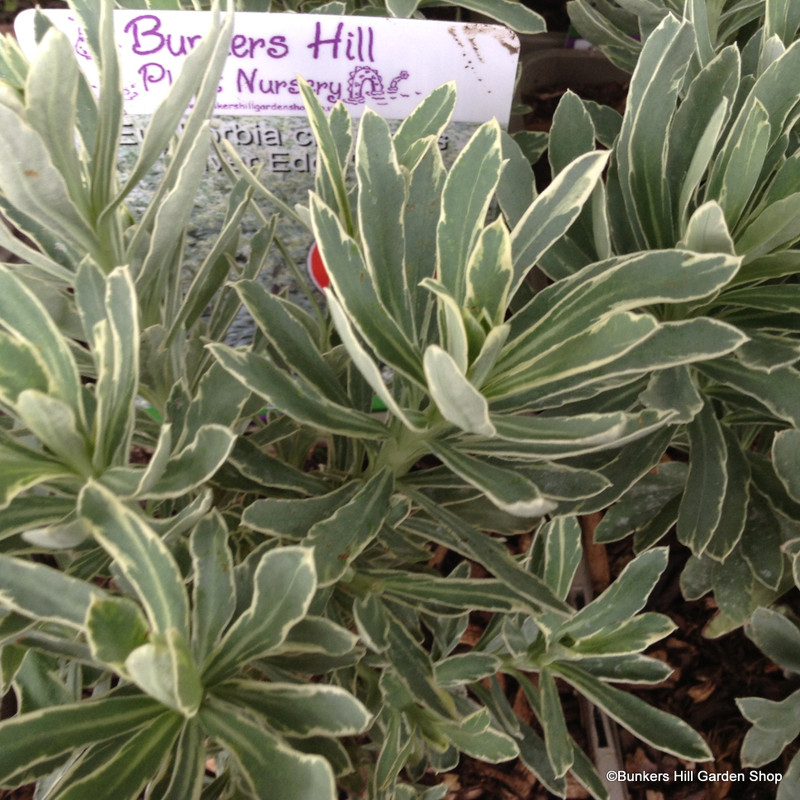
<point>361,63</point>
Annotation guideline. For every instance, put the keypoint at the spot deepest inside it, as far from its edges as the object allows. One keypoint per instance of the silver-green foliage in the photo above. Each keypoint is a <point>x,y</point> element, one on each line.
<point>705,160</point>
<point>775,723</point>
<point>620,27</point>
<point>201,605</point>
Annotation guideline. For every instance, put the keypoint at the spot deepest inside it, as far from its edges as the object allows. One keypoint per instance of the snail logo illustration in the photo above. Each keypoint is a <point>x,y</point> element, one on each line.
<point>365,82</point>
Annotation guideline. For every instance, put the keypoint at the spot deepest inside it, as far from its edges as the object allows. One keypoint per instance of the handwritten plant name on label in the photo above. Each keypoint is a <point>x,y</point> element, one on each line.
<point>388,64</point>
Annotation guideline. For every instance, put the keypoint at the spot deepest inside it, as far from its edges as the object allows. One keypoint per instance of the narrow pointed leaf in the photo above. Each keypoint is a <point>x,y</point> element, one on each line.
<point>291,397</point>
<point>141,556</point>
<point>338,540</point>
<point>456,398</point>
<point>465,201</point>
<point>299,710</point>
<point>655,727</point>
<point>283,586</point>
<point>36,738</point>
<point>273,770</point>
<point>508,490</point>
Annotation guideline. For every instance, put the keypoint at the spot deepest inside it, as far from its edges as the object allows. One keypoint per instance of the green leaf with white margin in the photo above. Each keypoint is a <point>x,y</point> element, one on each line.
<point>733,516</point>
<point>50,109</point>
<point>508,490</point>
<point>163,668</point>
<point>117,347</point>
<point>124,774</point>
<point>364,362</point>
<point>260,375</point>
<point>624,598</point>
<point>429,118</point>
<point>22,468</point>
<point>300,710</point>
<point>516,16</point>
<point>775,725</point>
<point>108,131</point>
<point>779,390</point>
<point>489,273</point>
<point>673,391</point>
<point>569,306</point>
<point>557,435</point>
<point>54,423</point>
<point>466,668</point>
<point>697,125</point>
<point>411,663</point>
<point>745,161</point>
<point>397,745</point>
<point>484,362</point>
<point>141,555</point>
<point>623,283</point>
<point>456,534</point>
<point>331,170</point>
<point>24,316</point>
<point>292,519</point>
<point>609,34</point>
<point>283,586</point>
<point>737,589</point>
<point>628,668</point>
<point>776,227</point>
<point>655,727</point>
<point>701,506</point>
<point>475,736</point>
<point>401,8</point>
<point>33,185</point>
<point>45,593</point>
<point>319,635</point>
<point>562,553</point>
<point>630,636</point>
<point>467,193</point>
<point>452,329</point>
<point>699,165</point>
<point>382,197</point>
<point>553,211</point>
<point>290,339</point>
<point>213,592</point>
<point>174,213</point>
<point>574,361</point>
<point>114,628</point>
<point>707,231</point>
<point>356,292</point>
<point>786,460</point>
<point>777,637</point>
<point>456,398</point>
<point>453,594</point>
<point>272,770</point>
<point>517,187</point>
<point>340,539</point>
<point>556,737</point>
<point>642,502</point>
<point>195,464</point>
<point>188,767</point>
<point>640,149</point>
<point>31,741</point>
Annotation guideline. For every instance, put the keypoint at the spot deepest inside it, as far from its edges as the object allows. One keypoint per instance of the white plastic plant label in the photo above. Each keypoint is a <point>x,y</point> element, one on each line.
<point>389,65</point>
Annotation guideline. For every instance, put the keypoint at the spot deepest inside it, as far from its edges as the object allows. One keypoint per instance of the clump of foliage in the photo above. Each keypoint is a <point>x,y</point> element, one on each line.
<point>705,159</point>
<point>226,600</point>
<point>723,179</point>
